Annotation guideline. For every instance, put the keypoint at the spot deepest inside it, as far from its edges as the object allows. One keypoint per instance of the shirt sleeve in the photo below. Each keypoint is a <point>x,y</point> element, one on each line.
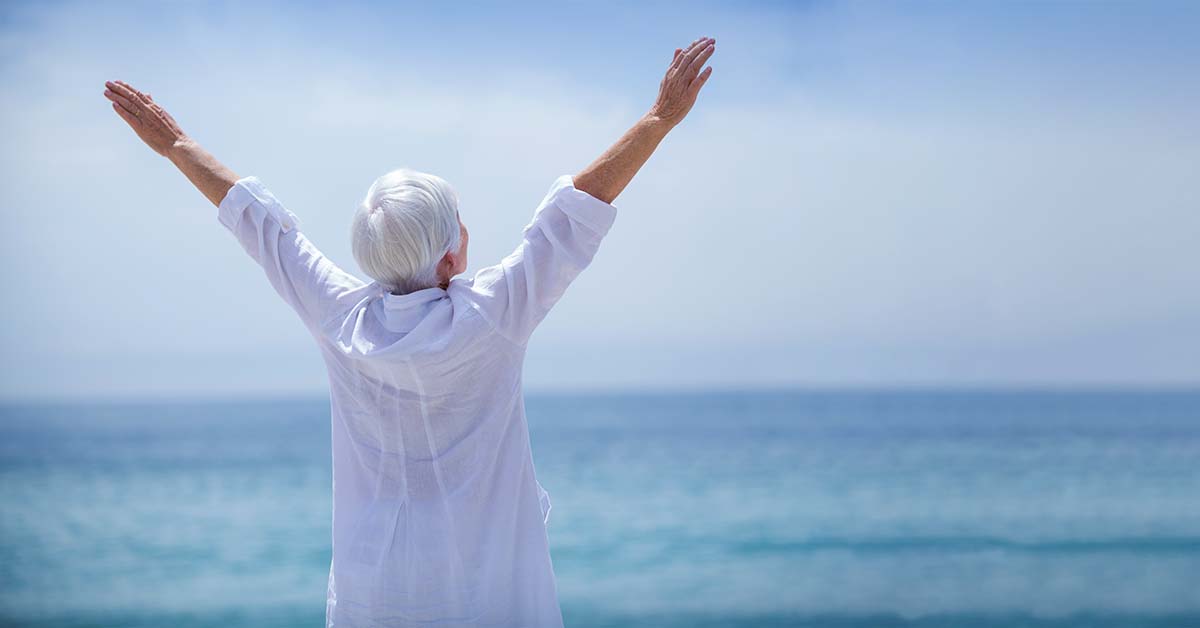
<point>307,280</point>
<point>558,243</point>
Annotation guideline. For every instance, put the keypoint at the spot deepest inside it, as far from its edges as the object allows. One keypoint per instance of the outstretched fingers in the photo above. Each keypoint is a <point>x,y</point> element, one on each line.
<point>121,94</point>
<point>681,58</point>
<point>698,59</point>
<point>128,102</point>
<point>121,89</point>
<point>121,102</point>
<point>675,60</point>
<point>134,101</point>
<point>695,51</point>
<point>137,94</point>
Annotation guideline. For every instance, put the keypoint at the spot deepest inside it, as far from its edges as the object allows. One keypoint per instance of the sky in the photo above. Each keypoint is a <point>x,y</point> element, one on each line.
<point>865,194</point>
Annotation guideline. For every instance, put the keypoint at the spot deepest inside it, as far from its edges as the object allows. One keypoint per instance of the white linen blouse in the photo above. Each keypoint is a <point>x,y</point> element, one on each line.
<point>438,517</point>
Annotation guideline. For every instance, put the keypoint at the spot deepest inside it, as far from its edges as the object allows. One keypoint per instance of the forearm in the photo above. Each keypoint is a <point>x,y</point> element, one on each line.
<point>606,177</point>
<point>209,176</point>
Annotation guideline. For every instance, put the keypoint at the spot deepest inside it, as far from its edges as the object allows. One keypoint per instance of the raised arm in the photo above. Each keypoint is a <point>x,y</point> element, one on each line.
<point>606,177</point>
<point>160,132</point>
<point>567,227</point>
<point>268,232</point>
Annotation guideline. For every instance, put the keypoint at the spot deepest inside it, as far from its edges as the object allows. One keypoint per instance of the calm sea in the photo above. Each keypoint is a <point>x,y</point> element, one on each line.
<point>735,509</point>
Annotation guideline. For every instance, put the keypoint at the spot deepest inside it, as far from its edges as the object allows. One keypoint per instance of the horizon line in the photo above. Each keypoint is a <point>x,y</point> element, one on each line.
<point>1031,388</point>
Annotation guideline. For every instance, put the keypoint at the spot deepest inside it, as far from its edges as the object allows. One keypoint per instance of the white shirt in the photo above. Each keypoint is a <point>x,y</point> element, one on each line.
<point>438,517</point>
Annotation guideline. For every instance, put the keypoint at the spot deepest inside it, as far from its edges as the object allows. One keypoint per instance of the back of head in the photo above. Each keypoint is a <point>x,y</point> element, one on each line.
<point>407,222</point>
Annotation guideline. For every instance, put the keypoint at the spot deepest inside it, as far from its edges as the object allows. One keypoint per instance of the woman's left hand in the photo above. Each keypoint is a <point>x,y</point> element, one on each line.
<point>150,121</point>
<point>679,88</point>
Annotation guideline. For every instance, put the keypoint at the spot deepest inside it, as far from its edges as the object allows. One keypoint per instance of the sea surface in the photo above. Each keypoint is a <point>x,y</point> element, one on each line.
<point>806,508</point>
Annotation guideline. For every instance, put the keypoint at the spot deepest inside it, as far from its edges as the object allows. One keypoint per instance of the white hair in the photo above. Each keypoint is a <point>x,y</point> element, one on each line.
<point>405,225</point>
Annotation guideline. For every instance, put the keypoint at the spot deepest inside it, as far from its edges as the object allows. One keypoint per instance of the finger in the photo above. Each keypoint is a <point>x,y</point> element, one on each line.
<point>695,51</point>
<point>126,116</point>
<point>677,51</point>
<point>124,90</point>
<point>698,61</point>
<point>685,52</point>
<point>120,100</point>
<point>700,80</point>
<point>137,94</point>
<point>121,88</point>
<point>691,47</point>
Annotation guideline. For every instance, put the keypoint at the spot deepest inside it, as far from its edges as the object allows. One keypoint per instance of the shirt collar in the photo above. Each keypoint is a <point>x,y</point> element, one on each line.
<point>411,299</point>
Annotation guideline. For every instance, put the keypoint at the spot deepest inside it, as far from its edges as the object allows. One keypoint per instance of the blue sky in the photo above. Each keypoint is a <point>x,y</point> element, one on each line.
<point>866,194</point>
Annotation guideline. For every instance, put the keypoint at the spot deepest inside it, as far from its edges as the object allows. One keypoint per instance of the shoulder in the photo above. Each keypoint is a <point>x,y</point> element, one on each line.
<point>481,295</point>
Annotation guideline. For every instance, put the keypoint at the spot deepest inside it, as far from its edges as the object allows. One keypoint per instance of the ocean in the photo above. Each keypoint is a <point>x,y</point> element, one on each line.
<point>782,508</point>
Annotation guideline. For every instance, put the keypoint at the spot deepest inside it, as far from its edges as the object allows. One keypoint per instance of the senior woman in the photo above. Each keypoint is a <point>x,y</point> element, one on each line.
<point>438,517</point>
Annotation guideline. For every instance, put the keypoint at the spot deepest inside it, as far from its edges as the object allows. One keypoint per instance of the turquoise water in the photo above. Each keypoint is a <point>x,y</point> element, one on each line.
<point>755,509</point>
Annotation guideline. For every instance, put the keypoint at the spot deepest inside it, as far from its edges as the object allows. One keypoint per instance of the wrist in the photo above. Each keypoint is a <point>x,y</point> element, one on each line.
<point>658,122</point>
<point>180,146</point>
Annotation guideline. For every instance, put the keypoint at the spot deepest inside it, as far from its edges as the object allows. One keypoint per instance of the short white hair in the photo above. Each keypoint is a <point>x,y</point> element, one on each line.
<point>405,225</point>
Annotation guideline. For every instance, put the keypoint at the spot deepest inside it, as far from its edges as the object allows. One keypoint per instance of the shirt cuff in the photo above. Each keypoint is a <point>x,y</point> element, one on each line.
<point>581,206</point>
<point>247,191</point>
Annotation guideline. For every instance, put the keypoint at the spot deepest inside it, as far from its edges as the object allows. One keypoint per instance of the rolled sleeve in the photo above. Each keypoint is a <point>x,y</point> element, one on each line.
<point>243,194</point>
<point>559,242</point>
<point>579,206</point>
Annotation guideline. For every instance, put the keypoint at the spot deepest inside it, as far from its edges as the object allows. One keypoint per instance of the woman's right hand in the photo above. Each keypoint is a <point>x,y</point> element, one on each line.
<point>151,122</point>
<point>683,81</point>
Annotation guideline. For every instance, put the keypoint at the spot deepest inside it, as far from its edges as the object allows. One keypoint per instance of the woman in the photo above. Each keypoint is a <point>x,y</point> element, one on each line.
<point>438,516</point>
